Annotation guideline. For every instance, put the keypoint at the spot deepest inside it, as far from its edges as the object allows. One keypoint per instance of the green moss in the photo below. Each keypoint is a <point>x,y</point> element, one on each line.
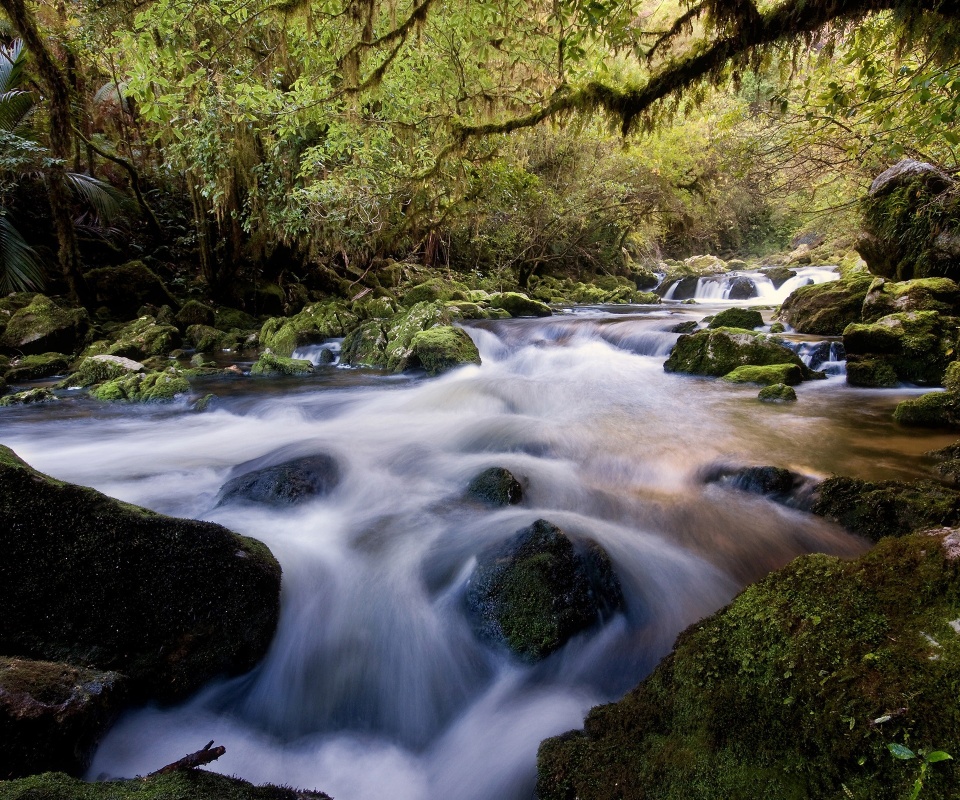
<point>746,318</point>
<point>519,305</point>
<point>923,294</point>
<point>777,393</point>
<point>933,410</point>
<point>204,338</point>
<point>874,373</point>
<point>123,289</point>
<point>951,377</point>
<point>150,387</point>
<point>228,319</point>
<point>826,308</point>
<point>99,369</point>
<point>141,339</point>
<point>776,695</point>
<point>312,325</point>
<point>88,580</point>
<point>270,364</point>
<point>194,313</point>
<point>186,785</point>
<point>39,366</point>
<point>433,290</point>
<point>789,374</point>
<point>720,351</point>
<point>28,398</point>
<point>888,508</point>
<point>42,326</point>
<point>365,345</point>
<point>443,348</point>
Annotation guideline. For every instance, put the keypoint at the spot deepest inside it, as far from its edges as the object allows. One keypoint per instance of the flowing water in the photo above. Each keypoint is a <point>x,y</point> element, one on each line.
<point>375,685</point>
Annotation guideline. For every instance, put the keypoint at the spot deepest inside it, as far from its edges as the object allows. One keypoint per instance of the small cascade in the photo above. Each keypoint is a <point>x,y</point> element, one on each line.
<point>746,287</point>
<point>826,356</point>
<point>327,352</point>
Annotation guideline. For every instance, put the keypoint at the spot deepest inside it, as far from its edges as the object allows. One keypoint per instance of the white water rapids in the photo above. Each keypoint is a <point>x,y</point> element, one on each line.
<point>375,685</point>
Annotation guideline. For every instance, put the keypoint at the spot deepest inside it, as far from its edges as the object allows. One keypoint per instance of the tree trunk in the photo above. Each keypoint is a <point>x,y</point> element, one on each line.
<point>61,127</point>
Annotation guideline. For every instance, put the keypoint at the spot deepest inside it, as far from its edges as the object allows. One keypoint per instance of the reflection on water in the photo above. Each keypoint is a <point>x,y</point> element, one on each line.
<point>375,685</point>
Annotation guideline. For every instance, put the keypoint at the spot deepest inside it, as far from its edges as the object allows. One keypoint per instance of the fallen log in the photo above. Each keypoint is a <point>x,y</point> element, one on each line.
<point>193,760</point>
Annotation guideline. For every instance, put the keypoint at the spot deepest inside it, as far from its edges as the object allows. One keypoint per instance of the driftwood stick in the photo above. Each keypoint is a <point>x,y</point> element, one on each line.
<point>198,759</point>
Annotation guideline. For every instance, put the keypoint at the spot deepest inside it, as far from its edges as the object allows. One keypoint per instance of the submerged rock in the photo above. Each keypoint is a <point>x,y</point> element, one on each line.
<point>742,288</point>
<point>496,487</point>
<point>42,326</point>
<point>720,351</point>
<point>538,589</point>
<point>88,580</point>
<point>794,690</point>
<point>746,318</point>
<point>777,393</point>
<point>270,364</point>
<point>52,715</point>
<point>443,348</point>
<point>777,483</point>
<point>779,275</point>
<point>292,482</point>
<point>826,308</point>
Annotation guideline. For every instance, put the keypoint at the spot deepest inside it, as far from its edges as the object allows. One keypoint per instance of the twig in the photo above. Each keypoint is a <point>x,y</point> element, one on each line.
<point>198,759</point>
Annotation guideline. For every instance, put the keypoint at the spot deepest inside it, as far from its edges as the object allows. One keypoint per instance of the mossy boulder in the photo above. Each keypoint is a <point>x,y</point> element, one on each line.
<point>720,351</point>
<point>793,691</point>
<point>194,312</point>
<point>887,508</point>
<point>443,348</point>
<point>269,364</point>
<point>42,326</point>
<point>389,343</point>
<point>932,410</point>
<point>923,294</point>
<point>143,387</point>
<point>779,275</point>
<point>30,397</point>
<point>789,374</point>
<point>312,325</point>
<point>777,393</point>
<point>229,319</point>
<point>746,318</point>
<point>205,339</point>
<point>434,290</point>
<point>519,305</point>
<point>124,288</point>
<point>141,339</point>
<point>496,486</point>
<point>538,589</point>
<point>88,580</point>
<point>193,784</point>
<point>285,484</point>
<point>52,715</point>
<point>31,368</point>
<point>100,369</point>
<point>826,309</point>
<point>871,373</point>
<point>917,345</point>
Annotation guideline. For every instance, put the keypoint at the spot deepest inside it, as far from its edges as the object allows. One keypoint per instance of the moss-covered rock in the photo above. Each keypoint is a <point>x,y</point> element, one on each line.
<point>537,590</point>
<point>519,305</point>
<point>143,387</point>
<point>205,339</point>
<point>99,369</point>
<point>933,410</point>
<point>389,343</point>
<point>793,691</point>
<point>123,289</point>
<point>720,351</point>
<point>496,487</point>
<point>89,580</point>
<point>887,508</point>
<point>872,373</point>
<point>194,312</point>
<point>917,345</point>
<point>229,319</point>
<point>443,348</point>
<point>285,484</point>
<point>42,326</point>
<point>312,325</point>
<point>141,339</point>
<point>777,393</point>
<point>746,318</point>
<point>52,715</point>
<point>270,364</point>
<point>826,308</point>
<point>434,290</point>
<point>779,275</point>
<point>194,784</point>
<point>923,294</point>
<point>31,368</point>
<point>789,374</point>
<point>41,395</point>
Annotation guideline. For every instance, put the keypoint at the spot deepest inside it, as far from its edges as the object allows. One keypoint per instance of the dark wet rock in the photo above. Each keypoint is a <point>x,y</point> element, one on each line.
<point>292,482</point>
<point>52,715</point>
<point>443,348</point>
<point>742,288</point>
<point>720,351</point>
<point>779,275</point>
<point>31,368</point>
<point>194,312</point>
<point>30,397</point>
<point>886,508</point>
<point>746,318</point>
<point>205,403</point>
<point>42,326</point>
<point>496,487</point>
<point>826,308</point>
<point>88,580</point>
<point>777,393</point>
<point>686,288</point>
<point>781,485</point>
<point>538,589</point>
<point>128,286</point>
<point>192,784</point>
<point>685,327</point>
<point>794,690</point>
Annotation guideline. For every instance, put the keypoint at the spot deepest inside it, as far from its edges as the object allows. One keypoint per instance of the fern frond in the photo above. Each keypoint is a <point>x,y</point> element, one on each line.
<point>20,267</point>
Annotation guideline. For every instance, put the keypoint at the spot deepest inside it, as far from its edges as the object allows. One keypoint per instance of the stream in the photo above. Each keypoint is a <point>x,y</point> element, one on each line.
<point>375,685</point>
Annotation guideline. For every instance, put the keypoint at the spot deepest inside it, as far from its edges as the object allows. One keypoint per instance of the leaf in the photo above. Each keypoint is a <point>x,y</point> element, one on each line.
<point>937,755</point>
<point>20,266</point>
<point>900,751</point>
<point>108,203</point>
